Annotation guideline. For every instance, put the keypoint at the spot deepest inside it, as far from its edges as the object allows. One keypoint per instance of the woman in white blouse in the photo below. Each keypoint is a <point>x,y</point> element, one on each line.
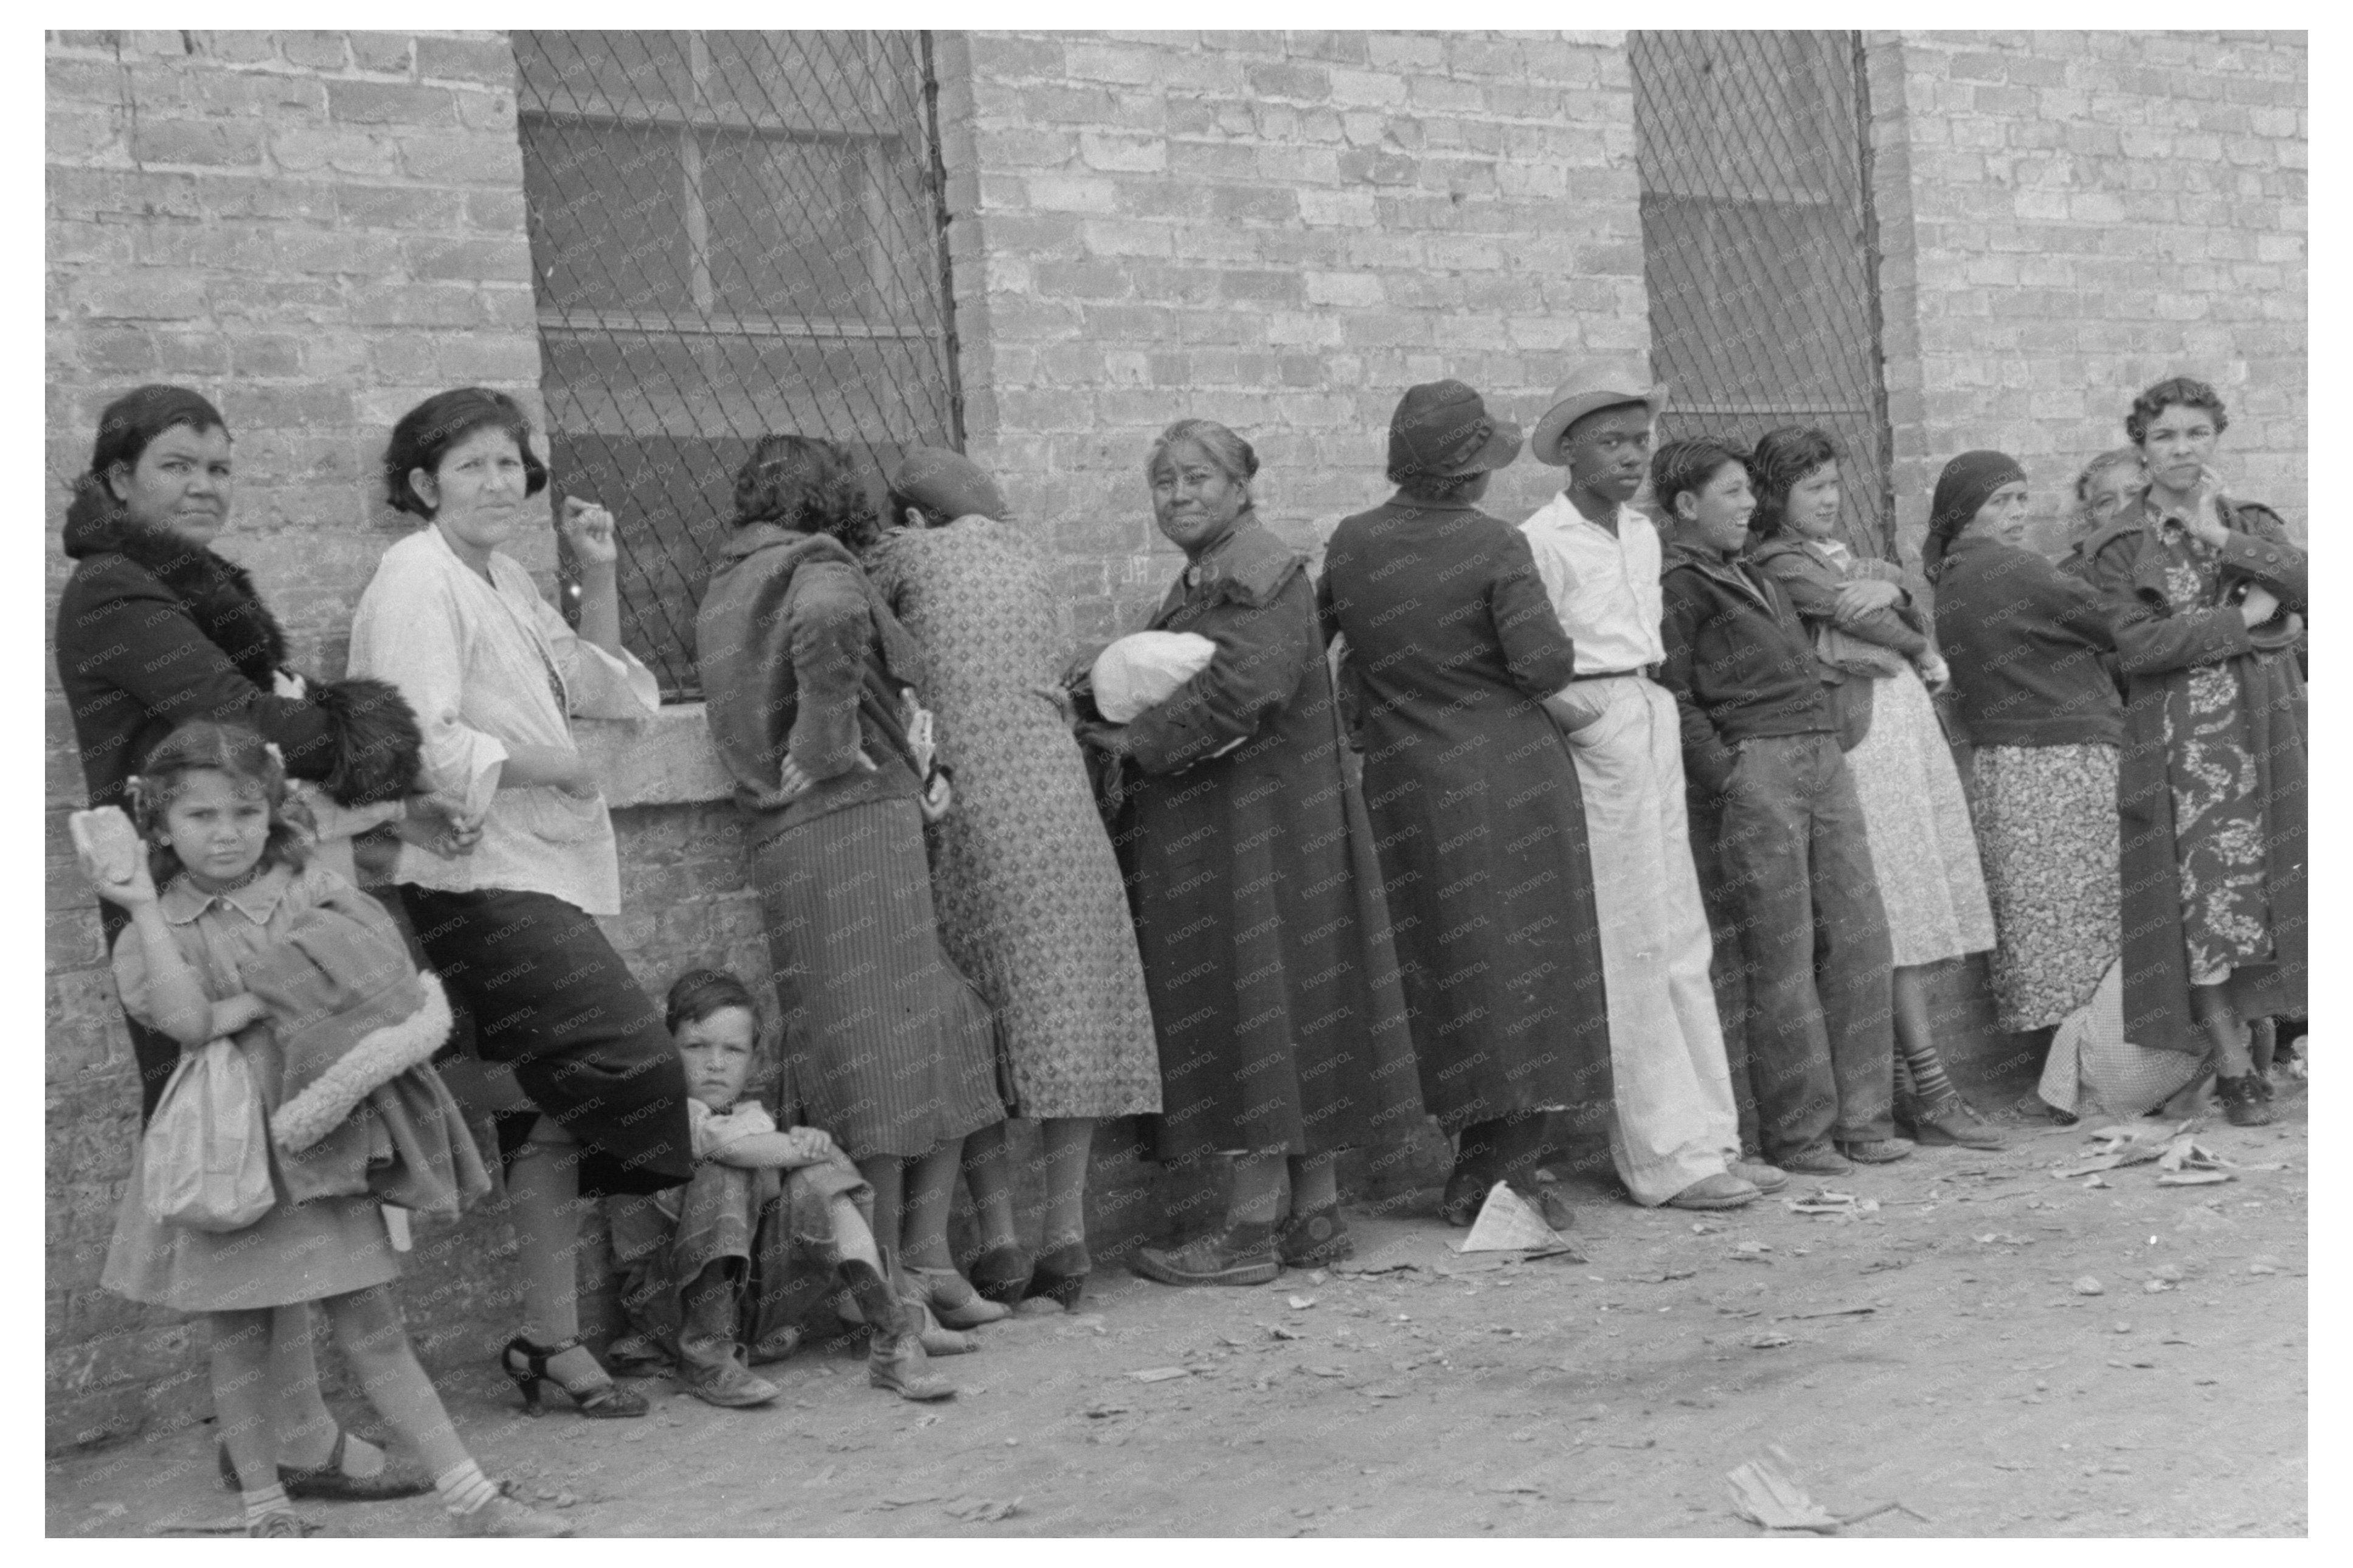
<point>495,676</point>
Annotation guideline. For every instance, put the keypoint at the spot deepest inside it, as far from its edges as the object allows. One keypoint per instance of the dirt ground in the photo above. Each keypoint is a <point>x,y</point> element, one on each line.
<point>1941,1353</point>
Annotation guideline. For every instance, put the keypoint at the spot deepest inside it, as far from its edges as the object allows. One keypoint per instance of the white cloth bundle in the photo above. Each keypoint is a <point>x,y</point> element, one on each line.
<point>1146,668</point>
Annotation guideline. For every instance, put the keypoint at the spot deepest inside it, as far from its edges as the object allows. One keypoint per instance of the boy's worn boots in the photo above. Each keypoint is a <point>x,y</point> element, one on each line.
<point>710,1362</point>
<point>895,1359</point>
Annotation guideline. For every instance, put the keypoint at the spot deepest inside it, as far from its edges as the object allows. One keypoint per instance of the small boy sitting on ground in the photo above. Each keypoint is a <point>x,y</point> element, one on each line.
<point>773,1224</point>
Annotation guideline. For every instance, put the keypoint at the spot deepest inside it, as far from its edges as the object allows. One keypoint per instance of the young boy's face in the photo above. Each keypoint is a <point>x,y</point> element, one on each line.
<point>1608,450</point>
<point>1716,515</point>
<point>717,1051</point>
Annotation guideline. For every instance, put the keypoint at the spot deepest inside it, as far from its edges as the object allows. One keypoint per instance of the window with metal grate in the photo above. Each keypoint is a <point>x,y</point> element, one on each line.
<point>732,233</point>
<point>1759,248</point>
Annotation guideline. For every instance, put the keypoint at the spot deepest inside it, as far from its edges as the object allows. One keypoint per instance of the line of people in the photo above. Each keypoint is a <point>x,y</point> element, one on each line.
<point>1528,828</point>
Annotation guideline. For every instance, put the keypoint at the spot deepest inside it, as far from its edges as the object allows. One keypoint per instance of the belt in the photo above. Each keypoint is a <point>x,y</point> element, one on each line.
<point>1647,672</point>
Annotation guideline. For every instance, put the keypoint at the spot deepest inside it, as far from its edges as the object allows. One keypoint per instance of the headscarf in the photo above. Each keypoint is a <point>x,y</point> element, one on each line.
<point>946,485</point>
<point>1967,483</point>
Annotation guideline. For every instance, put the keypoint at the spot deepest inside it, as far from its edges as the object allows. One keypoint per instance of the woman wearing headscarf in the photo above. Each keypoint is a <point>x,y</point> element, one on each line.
<point>2209,598</point>
<point>1453,649</point>
<point>1264,974</point>
<point>807,678</point>
<point>1869,639</point>
<point>2032,650</point>
<point>156,629</point>
<point>1028,892</point>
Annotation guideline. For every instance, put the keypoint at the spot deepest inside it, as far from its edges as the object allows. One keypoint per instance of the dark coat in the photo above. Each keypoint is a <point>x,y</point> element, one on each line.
<point>1812,586</point>
<point>1263,977</point>
<point>1452,647</point>
<point>2158,643</point>
<point>2032,649</point>
<point>1739,662</point>
<point>154,632</point>
<point>799,654</point>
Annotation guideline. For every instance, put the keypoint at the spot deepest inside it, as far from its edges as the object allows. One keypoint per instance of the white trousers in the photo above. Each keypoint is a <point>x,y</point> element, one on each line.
<point>1673,1121</point>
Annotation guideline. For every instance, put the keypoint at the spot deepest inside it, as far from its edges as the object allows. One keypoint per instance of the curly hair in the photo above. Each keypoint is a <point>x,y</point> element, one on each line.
<point>810,484</point>
<point>1782,458</point>
<point>2175,391</point>
<point>1689,465</point>
<point>699,992</point>
<point>204,745</point>
<point>427,432</point>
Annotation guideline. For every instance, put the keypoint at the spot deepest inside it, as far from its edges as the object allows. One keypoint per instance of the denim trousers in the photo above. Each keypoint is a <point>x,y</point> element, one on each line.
<point>1817,1048</point>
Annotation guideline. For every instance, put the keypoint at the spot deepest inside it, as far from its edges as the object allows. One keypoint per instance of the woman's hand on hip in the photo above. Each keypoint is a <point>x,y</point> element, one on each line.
<point>1111,739</point>
<point>938,798</point>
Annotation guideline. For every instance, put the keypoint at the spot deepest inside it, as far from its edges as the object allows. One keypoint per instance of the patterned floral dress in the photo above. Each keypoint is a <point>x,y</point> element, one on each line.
<point>2218,811</point>
<point>1028,892</point>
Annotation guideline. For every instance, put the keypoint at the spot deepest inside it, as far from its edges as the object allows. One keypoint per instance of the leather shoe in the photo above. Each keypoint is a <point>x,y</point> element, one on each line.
<point>1877,1150</point>
<point>1765,1178</point>
<point>1240,1254</point>
<point>1718,1191</point>
<point>1815,1160</point>
<point>1543,1194</point>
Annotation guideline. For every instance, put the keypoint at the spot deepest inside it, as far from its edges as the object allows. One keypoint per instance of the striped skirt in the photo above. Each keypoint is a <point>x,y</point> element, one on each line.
<point>887,1046</point>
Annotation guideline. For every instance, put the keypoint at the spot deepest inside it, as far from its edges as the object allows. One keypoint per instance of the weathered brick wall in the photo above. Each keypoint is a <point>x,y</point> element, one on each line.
<point>1280,231</point>
<point>315,230</point>
<point>2069,216</point>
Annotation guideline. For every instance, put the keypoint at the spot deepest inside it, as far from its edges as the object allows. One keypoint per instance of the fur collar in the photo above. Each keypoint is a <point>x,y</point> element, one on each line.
<point>218,593</point>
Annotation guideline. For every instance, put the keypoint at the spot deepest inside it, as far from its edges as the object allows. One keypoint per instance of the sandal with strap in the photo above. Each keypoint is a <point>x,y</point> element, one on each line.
<point>327,1483</point>
<point>607,1401</point>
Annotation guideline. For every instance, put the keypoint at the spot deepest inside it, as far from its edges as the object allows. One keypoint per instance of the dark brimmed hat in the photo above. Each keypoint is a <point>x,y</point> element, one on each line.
<point>1589,392</point>
<point>1441,430</point>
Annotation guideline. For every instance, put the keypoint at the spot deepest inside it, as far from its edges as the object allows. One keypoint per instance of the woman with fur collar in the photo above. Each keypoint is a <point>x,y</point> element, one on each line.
<point>153,630</point>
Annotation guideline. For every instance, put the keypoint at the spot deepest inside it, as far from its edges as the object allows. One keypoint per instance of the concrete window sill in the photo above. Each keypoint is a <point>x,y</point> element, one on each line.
<point>667,762</point>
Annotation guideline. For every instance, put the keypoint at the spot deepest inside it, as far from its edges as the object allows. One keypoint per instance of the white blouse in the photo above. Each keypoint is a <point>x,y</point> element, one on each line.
<point>486,667</point>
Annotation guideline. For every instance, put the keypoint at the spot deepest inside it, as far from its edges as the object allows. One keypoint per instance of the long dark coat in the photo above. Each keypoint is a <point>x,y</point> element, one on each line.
<point>1264,979</point>
<point>1451,645</point>
<point>2158,642</point>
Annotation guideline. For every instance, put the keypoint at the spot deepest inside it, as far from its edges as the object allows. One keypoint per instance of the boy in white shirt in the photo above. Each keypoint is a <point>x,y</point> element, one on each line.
<point>1674,1133</point>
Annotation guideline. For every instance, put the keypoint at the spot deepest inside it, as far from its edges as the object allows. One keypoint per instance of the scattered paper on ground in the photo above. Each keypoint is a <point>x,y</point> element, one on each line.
<point>1764,1492</point>
<point>1507,1222</point>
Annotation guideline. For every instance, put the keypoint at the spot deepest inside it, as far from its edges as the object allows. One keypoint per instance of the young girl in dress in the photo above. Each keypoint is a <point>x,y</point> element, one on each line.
<point>1871,641</point>
<point>235,934</point>
<point>717,1272</point>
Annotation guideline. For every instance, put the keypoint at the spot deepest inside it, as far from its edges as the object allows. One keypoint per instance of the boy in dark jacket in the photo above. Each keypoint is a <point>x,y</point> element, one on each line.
<point>1780,826</point>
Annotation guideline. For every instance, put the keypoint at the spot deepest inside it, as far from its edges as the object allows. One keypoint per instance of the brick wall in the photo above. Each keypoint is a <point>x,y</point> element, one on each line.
<point>316,230</point>
<point>2069,216</point>
<point>1281,232</point>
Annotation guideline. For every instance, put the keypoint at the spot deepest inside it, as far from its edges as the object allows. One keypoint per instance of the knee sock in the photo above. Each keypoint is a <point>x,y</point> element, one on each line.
<point>268,1499</point>
<point>464,1488</point>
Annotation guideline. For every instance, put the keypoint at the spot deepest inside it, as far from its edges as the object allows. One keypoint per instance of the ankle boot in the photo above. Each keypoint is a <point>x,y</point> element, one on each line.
<point>894,1357</point>
<point>710,1362</point>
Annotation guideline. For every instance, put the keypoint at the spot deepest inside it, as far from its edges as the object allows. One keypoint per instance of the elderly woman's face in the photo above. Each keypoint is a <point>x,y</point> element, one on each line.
<point>1193,500</point>
<point>2112,489</point>
<point>2002,517</point>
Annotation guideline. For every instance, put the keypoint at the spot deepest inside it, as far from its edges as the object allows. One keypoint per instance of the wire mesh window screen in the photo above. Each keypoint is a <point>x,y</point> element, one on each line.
<point>1758,246</point>
<point>732,233</point>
